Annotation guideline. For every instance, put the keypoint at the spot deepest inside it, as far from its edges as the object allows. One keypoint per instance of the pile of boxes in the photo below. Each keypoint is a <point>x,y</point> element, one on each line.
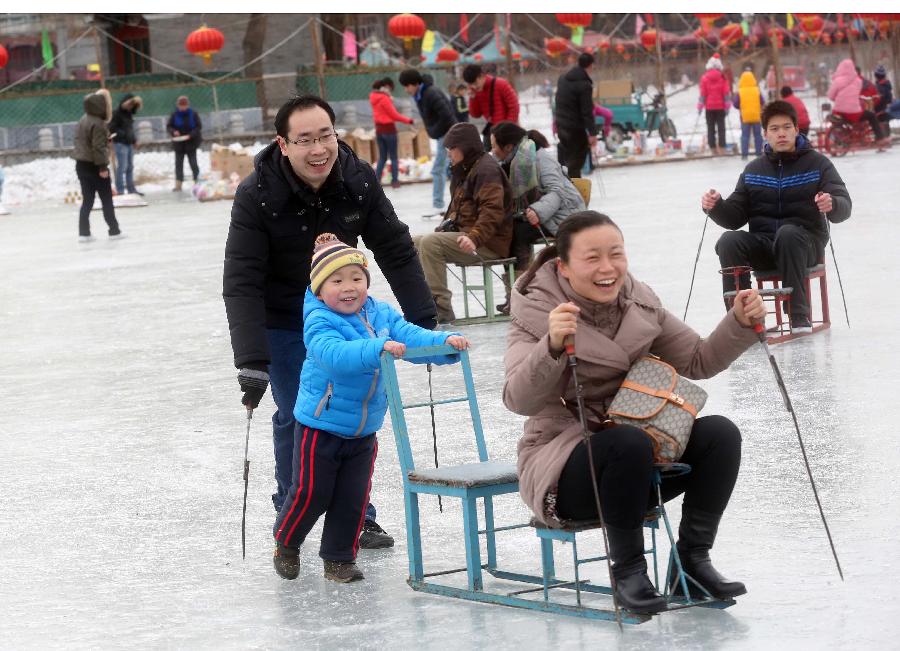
<point>410,144</point>
<point>233,159</point>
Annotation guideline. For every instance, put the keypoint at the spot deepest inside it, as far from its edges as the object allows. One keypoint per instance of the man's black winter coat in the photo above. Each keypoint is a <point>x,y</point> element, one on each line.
<point>780,188</point>
<point>436,111</point>
<point>574,102</point>
<point>122,123</point>
<point>275,220</point>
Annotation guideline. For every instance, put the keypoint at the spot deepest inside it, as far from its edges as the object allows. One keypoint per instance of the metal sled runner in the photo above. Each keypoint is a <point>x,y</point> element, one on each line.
<point>483,479</point>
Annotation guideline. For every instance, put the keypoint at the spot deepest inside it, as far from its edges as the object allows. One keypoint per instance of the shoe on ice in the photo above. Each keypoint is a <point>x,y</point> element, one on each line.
<point>801,326</point>
<point>374,537</point>
<point>343,571</point>
<point>436,212</point>
<point>286,561</point>
<point>84,239</point>
<point>117,236</point>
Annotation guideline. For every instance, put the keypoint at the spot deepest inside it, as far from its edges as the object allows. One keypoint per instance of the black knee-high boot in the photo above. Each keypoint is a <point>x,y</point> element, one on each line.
<point>634,590</point>
<point>696,535</point>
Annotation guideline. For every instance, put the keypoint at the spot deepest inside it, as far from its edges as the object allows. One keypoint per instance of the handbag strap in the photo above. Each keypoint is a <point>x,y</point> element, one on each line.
<point>669,396</point>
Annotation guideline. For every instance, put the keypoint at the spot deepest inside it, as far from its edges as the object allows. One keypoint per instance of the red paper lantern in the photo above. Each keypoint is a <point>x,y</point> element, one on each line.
<point>706,21</point>
<point>407,27</point>
<point>447,55</point>
<point>478,56</point>
<point>730,34</point>
<point>204,42</point>
<point>556,46</point>
<point>648,39</point>
<point>826,38</point>
<point>839,36</point>
<point>516,56</point>
<point>811,24</point>
<point>620,48</point>
<point>4,57</point>
<point>604,46</point>
<point>575,20</point>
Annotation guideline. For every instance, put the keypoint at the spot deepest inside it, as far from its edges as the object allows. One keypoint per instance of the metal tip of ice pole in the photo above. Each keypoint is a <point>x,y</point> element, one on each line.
<point>696,260</point>
<point>836,268</point>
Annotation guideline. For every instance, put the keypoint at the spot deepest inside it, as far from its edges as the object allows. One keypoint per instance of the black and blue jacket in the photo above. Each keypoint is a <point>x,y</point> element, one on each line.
<point>780,188</point>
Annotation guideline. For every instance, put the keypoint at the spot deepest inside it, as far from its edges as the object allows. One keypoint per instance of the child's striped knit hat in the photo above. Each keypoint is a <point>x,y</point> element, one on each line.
<point>331,254</point>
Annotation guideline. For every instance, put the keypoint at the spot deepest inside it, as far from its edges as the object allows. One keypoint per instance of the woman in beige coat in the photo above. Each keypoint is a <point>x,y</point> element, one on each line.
<point>581,287</point>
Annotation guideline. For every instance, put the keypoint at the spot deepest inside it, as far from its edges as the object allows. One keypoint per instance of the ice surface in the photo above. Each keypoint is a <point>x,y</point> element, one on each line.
<point>122,443</point>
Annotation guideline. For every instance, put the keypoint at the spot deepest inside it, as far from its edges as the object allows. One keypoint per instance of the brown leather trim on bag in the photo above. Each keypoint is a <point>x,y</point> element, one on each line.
<point>666,395</point>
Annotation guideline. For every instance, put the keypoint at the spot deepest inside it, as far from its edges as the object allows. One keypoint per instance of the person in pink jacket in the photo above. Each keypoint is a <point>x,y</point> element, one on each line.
<point>386,116</point>
<point>714,93</point>
<point>844,91</point>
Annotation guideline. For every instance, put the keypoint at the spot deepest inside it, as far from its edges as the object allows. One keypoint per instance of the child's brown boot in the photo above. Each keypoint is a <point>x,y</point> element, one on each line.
<point>286,561</point>
<point>342,571</point>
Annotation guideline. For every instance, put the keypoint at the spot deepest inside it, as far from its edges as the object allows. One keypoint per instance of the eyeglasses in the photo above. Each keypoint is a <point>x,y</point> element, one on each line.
<point>306,143</point>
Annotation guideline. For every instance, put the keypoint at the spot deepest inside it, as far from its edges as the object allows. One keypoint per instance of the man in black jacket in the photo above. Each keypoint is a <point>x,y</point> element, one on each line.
<point>787,196</point>
<point>304,184</point>
<point>121,129</point>
<point>574,115</point>
<point>438,117</point>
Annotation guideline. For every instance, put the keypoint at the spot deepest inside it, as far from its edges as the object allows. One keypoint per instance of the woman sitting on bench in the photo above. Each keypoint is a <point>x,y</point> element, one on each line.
<point>581,288</point>
<point>543,196</point>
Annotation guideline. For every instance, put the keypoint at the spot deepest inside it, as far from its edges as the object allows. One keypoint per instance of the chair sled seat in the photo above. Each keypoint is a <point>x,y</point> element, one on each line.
<point>467,475</point>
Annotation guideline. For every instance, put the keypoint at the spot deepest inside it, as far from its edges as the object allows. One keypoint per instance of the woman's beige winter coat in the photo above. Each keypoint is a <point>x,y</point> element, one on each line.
<point>535,381</point>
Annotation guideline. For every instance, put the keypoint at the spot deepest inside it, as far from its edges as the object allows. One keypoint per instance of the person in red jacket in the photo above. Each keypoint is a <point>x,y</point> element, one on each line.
<point>714,93</point>
<point>492,98</point>
<point>386,117</point>
<point>787,94</point>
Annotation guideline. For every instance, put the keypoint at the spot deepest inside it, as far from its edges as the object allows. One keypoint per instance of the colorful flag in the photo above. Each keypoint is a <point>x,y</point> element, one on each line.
<point>464,28</point>
<point>47,50</point>
<point>577,35</point>
<point>428,41</point>
<point>790,21</point>
<point>350,49</point>
<point>638,24</point>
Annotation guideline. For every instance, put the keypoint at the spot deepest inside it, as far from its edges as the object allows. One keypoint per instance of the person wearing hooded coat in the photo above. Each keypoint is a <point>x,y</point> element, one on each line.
<point>91,154</point>
<point>185,121</point>
<point>885,97</point>
<point>477,223</point>
<point>714,92</point>
<point>121,128</point>
<point>749,100</point>
<point>845,90</point>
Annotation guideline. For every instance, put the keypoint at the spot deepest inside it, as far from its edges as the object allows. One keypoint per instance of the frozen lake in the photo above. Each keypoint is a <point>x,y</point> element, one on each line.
<point>122,444</point>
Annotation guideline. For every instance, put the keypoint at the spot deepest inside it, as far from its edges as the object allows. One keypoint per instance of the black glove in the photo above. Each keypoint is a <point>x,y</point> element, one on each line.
<point>253,383</point>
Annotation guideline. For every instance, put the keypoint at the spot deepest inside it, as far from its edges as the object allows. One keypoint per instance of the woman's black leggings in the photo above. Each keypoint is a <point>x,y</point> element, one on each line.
<point>623,458</point>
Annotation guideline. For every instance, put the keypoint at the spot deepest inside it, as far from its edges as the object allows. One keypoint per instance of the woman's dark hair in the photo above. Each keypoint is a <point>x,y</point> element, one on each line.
<point>471,72</point>
<point>568,229</point>
<point>381,83</point>
<point>299,103</point>
<point>538,139</point>
<point>507,133</point>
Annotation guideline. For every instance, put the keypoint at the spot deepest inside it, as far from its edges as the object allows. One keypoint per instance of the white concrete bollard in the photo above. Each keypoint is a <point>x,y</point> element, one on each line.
<point>46,139</point>
<point>235,123</point>
<point>144,131</point>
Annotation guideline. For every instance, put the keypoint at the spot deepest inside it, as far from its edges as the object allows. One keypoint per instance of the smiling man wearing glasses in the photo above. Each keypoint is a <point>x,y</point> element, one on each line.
<point>305,183</point>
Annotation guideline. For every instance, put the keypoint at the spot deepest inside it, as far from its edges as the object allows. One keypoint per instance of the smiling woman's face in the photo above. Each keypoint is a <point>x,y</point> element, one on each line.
<point>597,263</point>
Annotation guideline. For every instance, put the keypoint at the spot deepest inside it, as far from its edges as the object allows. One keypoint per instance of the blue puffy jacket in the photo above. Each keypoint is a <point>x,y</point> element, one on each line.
<point>341,390</point>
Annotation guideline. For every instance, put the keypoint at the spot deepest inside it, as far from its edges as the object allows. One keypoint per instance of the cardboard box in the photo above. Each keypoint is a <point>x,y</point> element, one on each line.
<point>406,144</point>
<point>226,161</point>
<point>363,143</point>
<point>612,92</point>
<point>422,144</point>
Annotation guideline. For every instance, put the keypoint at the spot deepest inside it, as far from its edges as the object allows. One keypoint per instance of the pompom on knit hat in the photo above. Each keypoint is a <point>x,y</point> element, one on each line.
<point>714,62</point>
<point>880,71</point>
<point>329,255</point>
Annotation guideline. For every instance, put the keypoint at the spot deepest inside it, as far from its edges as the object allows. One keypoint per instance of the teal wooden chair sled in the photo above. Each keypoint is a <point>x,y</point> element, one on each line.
<point>482,480</point>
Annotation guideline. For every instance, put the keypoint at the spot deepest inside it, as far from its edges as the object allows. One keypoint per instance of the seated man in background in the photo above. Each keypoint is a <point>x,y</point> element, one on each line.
<point>783,196</point>
<point>543,196</point>
<point>476,225</point>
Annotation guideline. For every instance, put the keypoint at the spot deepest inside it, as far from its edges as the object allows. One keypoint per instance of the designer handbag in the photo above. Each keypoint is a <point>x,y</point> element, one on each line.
<point>662,403</point>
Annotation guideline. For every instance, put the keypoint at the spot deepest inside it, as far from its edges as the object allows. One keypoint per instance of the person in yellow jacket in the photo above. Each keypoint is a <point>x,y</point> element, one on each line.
<point>749,99</point>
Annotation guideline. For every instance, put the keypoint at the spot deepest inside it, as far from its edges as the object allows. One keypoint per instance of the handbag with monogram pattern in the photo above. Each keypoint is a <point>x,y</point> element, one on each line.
<point>656,399</point>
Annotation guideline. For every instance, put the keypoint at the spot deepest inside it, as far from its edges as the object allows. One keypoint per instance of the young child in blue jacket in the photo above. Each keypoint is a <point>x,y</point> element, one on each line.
<point>340,407</point>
